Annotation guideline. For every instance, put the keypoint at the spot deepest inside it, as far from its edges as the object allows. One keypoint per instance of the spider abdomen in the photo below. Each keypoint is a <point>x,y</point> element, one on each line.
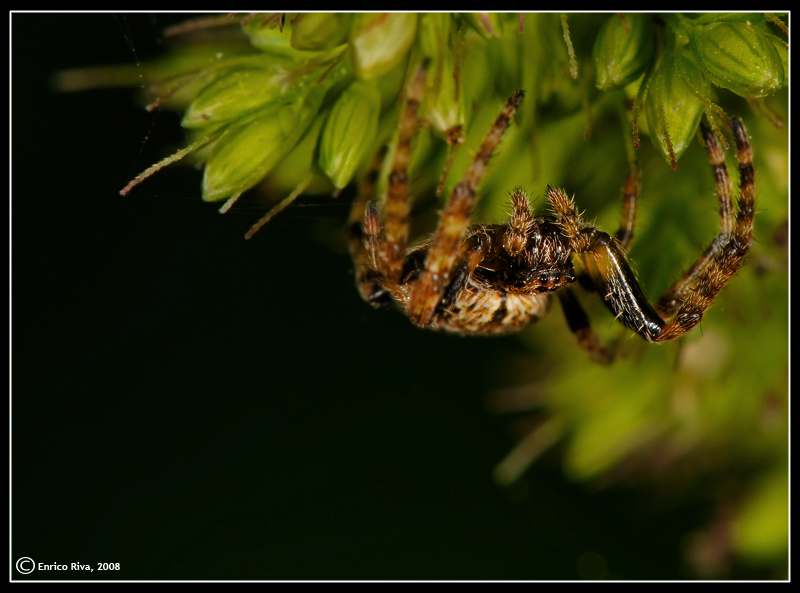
<point>481,312</point>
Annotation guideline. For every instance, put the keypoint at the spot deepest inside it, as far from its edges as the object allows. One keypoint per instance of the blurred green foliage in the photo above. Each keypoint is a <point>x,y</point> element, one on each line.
<point>309,99</point>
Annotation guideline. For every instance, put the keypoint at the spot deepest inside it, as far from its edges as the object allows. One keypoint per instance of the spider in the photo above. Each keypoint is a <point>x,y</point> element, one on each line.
<point>496,279</point>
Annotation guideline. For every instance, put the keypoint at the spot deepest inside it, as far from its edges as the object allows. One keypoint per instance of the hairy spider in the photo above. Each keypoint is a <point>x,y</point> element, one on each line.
<point>496,279</point>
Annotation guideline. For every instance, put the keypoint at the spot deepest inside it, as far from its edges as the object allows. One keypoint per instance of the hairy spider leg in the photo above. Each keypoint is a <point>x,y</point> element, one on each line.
<point>630,202</point>
<point>428,289</point>
<point>378,249</point>
<point>578,323</point>
<point>671,301</point>
<point>363,245</point>
<point>693,293</point>
<point>376,288</point>
<point>397,206</point>
<point>576,317</point>
<point>606,262</point>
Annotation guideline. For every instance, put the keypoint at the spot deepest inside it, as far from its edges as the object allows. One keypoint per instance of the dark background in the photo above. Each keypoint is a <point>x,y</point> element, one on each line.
<point>195,406</point>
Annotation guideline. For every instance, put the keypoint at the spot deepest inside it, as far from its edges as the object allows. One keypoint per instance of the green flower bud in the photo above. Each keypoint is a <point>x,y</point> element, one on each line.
<point>783,51</point>
<point>738,57</point>
<point>320,30</point>
<point>439,104</point>
<point>248,150</point>
<point>623,50</point>
<point>349,132</point>
<point>273,41</point>
<point>673,111</point>
<point>236,94</point>
<point>434,33</point>
<point>301,164</point>
<point>487,24</point>
<point>440,107</point>
<point>380,42</point>
<point>391,87</point>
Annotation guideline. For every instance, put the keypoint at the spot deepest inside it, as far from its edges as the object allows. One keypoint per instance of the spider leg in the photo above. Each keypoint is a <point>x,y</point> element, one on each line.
<point>397,207</point>
<point>578,323</point>
<point>630,200</point>
<point>378,250</point>
<point>441,259</point>
<point>630,203</point>
<point>374,286</point>
<point>692,294</point>
<point>363,244</point>
<point>606,262</point>
<point>672,299</point>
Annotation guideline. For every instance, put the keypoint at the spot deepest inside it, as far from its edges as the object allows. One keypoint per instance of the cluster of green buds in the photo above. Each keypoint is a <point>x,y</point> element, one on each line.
<point>316,95</point>
<point>670,63</point>
<point>324,84</point>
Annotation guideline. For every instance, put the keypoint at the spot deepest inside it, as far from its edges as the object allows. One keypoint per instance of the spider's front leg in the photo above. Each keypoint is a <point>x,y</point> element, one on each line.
<point>378,249</point>
<point>428,290</point>
<point>607,265</point>
<point>576,317</point>
<point>687,300</point>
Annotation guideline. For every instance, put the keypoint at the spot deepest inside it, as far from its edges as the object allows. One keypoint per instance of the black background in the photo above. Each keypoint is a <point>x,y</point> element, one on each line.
<point>195,406</point>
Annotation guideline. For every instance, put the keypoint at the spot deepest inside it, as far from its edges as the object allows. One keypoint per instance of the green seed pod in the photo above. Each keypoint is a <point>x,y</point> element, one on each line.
<point>623,50</point>
<point>319,31</point>
<point>673,111</point>
<point>739,57</point>
<point>349,132</point>
<point>380,42</point>
<point>236,94</point>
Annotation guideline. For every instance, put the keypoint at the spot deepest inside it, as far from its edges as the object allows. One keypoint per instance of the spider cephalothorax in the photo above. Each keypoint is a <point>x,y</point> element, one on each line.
<point>495,279</point>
